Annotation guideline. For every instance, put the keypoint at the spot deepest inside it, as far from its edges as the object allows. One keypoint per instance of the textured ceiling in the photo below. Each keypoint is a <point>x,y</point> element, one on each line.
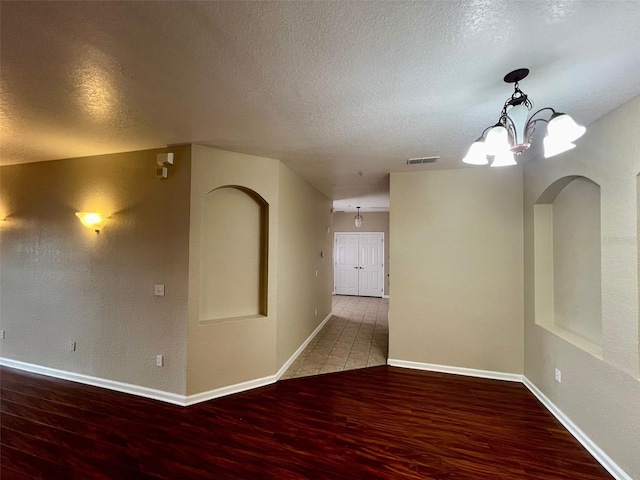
<point>333,89</point>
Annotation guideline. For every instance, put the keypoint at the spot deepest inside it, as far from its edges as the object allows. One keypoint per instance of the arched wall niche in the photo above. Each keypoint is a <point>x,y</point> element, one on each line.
<point>567,244</point>
<point>234,235</point>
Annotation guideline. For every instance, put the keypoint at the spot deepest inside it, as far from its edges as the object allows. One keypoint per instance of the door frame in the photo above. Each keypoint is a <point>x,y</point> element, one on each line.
<point>335,241</point>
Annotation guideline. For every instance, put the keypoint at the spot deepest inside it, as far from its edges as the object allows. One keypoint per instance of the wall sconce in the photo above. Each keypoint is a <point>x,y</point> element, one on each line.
<point>94,221</point>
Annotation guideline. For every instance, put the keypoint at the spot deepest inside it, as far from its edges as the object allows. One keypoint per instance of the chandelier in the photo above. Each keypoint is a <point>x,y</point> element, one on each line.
<point>514,131</point>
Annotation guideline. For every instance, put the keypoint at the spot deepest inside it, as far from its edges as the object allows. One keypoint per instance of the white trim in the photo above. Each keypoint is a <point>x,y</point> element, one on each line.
<point>301,348</point>
<point>229,390</point>
<point>579,435</point>
<point>163,396</point>
<point>146,392</point>
<point>183,401</point>
<point>469,372</point>
<point>384,267</point>
<point>596,452</point>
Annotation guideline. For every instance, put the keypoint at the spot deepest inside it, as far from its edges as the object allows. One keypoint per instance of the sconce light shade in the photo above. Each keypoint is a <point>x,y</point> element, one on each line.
<point>94,221</point>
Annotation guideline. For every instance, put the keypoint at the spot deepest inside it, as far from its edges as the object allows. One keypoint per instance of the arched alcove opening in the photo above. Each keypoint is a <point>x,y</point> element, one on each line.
<point>233,255</point>
<point>567,242</point>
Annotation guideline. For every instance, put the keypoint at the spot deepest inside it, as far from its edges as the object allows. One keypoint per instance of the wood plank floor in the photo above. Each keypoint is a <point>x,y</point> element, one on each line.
<point>373,423</point>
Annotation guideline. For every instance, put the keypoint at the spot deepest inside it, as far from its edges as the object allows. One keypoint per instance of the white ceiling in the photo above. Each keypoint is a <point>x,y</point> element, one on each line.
<point>330,88</point>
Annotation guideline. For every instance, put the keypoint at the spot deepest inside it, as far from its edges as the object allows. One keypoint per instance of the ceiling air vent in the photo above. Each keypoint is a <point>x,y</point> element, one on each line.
<point>422,160</point>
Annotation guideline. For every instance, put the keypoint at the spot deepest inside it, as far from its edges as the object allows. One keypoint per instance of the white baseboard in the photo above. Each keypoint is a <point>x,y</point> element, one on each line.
<point>301,348</point>
<point>229,390</point>
<point>469,372</point>
<point>385,296</point>
<point>597,453</point>
<point>163,396</point>
<point>579,435</point>
<point>146,392</point>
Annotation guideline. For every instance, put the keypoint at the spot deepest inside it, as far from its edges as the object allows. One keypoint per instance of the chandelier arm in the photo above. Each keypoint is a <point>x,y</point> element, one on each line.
<point>507,122</point>
<point>531,123</point>
<point>481,137</point>
<point>540,111</point>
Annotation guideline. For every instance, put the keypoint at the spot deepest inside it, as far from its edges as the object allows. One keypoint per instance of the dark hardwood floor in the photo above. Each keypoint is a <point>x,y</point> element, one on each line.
<point>379,422</point>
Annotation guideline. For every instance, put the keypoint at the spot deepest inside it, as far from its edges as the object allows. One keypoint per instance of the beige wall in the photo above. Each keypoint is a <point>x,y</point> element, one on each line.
<point>601,396</point>
<point>304,215</point>
<point>230,352</point>
<point>456,296</point>
<point>235,351</point>
<point>61,281</point>
<point>372,222</point>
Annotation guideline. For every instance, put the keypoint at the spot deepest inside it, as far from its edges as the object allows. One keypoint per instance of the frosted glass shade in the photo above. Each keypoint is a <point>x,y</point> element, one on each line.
<point>564,129</point>
<point>94,221</point>
<point>358,220</point>
<point>518,116</point>
<point>477,154</point>
<point>497,140</point>
<point>504,159</point>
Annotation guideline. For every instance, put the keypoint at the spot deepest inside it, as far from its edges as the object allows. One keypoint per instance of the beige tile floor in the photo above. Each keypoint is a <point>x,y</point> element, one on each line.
<point>356,336</point>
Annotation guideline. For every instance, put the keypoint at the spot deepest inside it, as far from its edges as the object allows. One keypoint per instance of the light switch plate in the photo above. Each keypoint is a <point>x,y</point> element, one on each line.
<point>159,291</point>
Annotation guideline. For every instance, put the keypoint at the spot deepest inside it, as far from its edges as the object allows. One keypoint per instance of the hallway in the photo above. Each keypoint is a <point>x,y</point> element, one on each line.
<point>356,336</point>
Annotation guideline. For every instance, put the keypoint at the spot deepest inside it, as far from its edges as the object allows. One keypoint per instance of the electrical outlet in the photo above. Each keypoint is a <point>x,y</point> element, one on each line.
<point>159,290</point>
<point>73,345</point>
<point>316,273</point>
<point>159,361</point>
<point>316,312</point>
<point>2,335</point>
<point>558,376</point>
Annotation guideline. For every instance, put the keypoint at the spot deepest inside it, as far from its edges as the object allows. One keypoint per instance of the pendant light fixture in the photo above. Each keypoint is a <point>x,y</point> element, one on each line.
<point>513,132</point>
<point>358,219</point>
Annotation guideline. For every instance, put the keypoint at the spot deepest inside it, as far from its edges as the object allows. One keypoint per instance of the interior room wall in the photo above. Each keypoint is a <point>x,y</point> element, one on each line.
<point>229,352</point>
<point>457,268</point>
<point>304,298</point>
<point>601,396</point>
<point>62,282</point>
<point>372,222</point>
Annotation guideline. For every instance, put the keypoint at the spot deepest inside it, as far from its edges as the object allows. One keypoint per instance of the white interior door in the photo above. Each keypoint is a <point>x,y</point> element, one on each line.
<point>371,258</point>
<point>346,264</point>
<point>359,264</point>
